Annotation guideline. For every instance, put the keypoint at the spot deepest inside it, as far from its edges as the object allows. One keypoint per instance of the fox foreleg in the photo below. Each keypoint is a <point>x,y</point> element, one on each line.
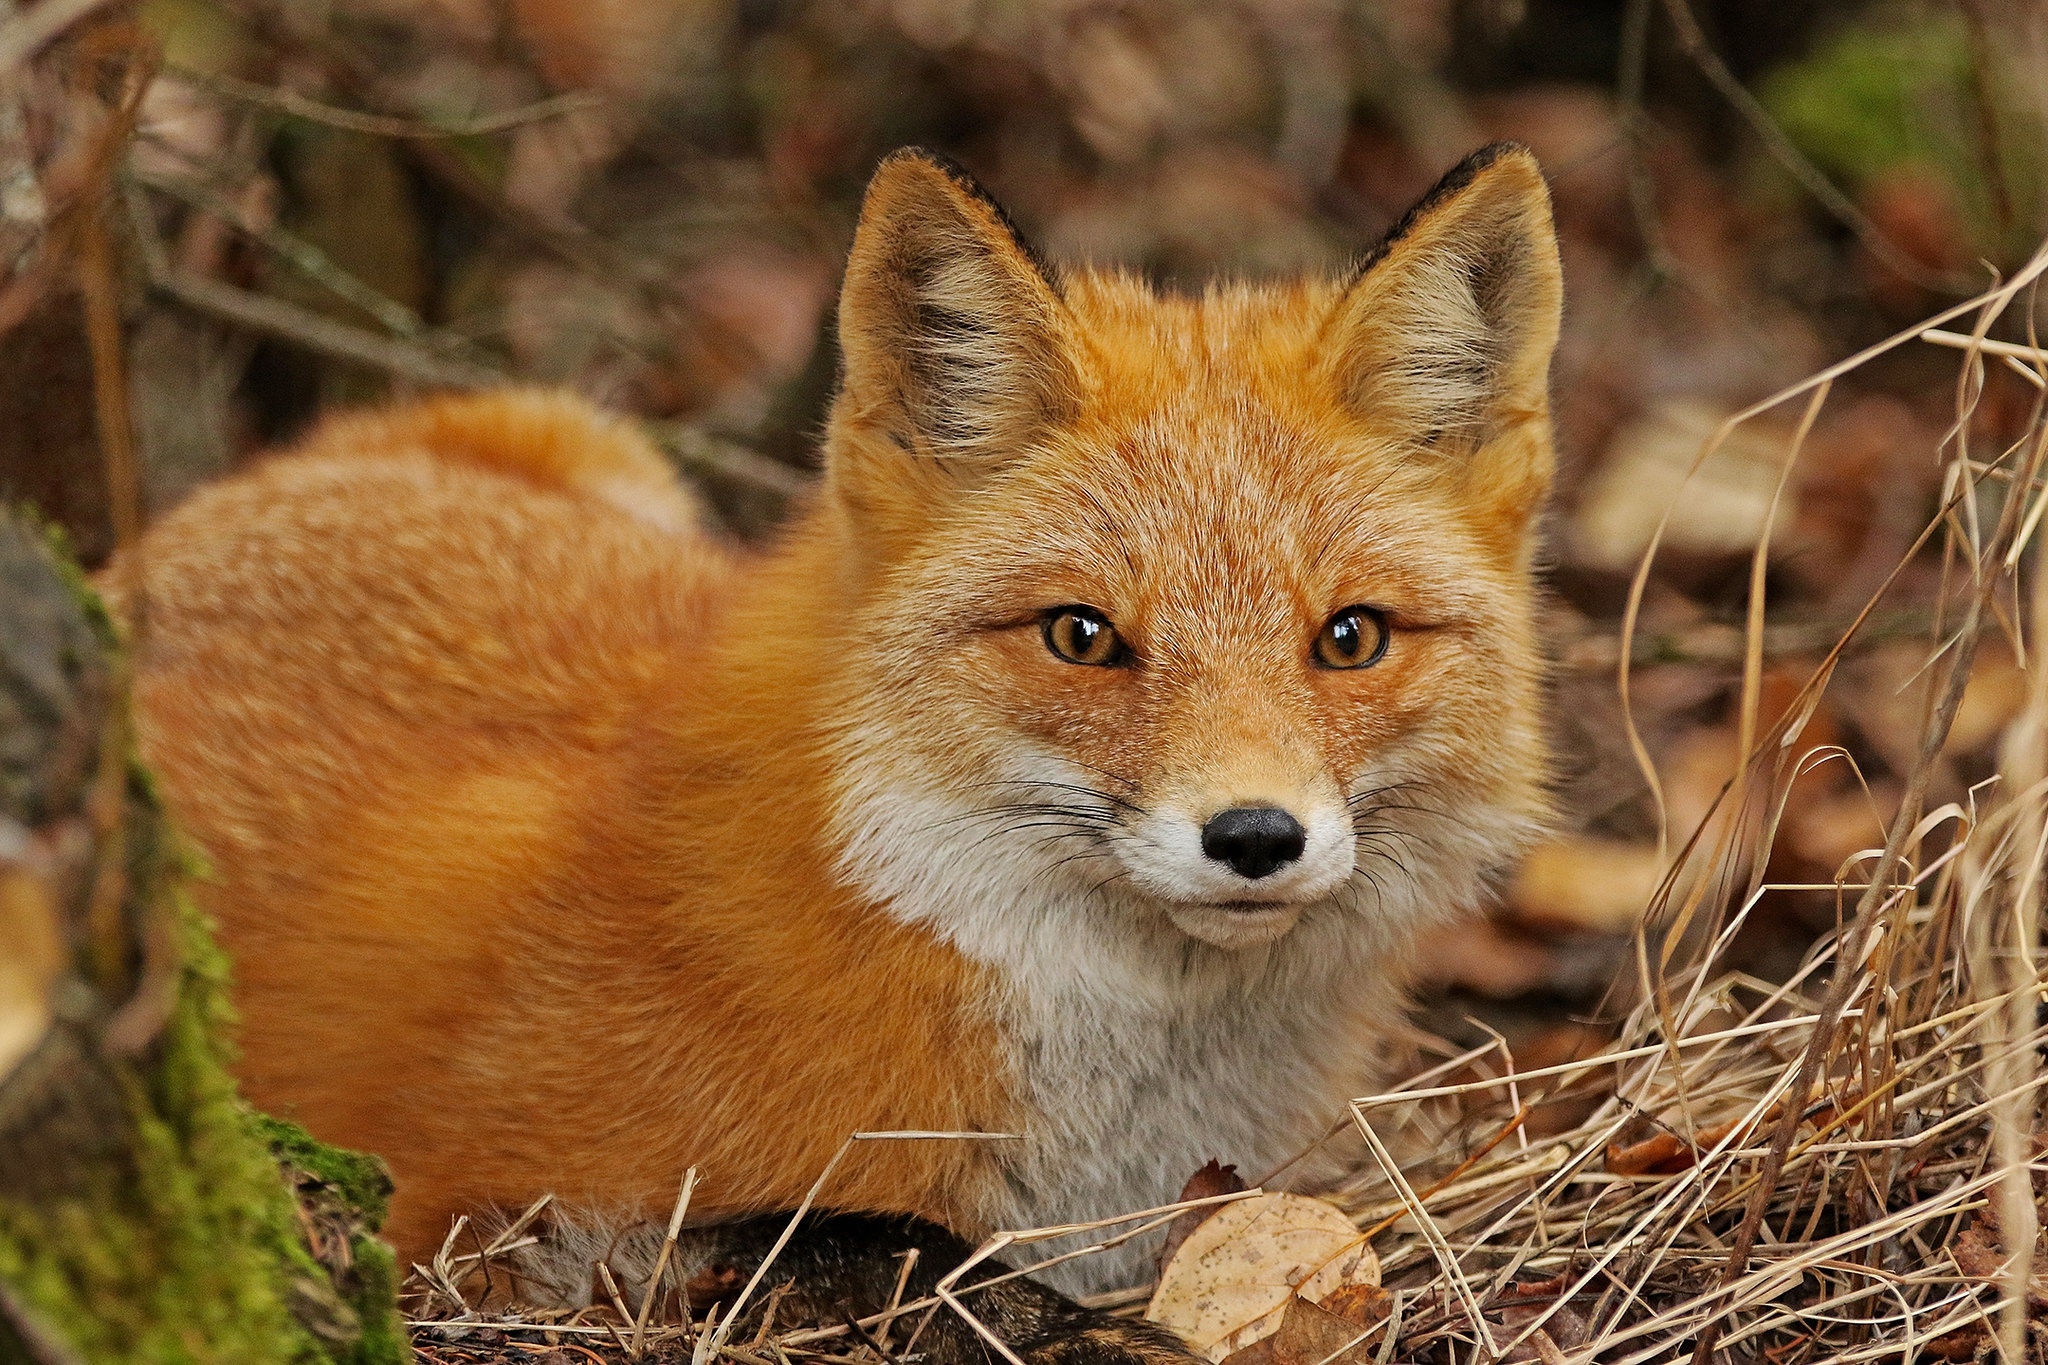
<point>844,1267</point>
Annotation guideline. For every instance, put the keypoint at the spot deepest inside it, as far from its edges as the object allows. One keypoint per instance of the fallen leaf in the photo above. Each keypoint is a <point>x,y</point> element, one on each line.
<point>1359,1304</point>
<point>1311,1334</point>
<point>1491,958</point>
<point>1996,691</point>
<point>1231,1281</point>
<point>1565,1327</point>
<point>1657,1154</point>
<point>1212,1180</point>
<point>1718,511</point>
<point>1976,1252</point>
<point>1959,1345</point>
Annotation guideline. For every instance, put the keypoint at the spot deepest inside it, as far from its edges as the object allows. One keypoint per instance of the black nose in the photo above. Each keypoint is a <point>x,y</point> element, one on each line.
<point>1253,839</point>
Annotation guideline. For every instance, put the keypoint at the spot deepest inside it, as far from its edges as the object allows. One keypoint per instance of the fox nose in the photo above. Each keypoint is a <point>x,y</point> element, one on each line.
<point>1254,840</point>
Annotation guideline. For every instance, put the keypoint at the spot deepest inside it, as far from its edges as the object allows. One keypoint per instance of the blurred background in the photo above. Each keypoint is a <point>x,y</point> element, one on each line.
<point>274,207</point>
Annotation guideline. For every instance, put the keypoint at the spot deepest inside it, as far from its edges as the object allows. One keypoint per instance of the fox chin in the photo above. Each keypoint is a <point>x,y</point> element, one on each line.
<point>1084,762</point>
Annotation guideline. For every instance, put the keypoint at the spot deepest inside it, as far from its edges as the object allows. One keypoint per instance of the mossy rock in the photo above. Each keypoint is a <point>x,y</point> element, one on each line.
<point>145,1210</point>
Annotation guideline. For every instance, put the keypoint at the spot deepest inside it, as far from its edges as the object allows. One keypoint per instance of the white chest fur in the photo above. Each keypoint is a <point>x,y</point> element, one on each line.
<point>1138,1053</point>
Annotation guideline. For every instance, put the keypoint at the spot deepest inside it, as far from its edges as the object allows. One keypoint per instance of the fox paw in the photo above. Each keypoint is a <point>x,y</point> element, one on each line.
<point>1114,1341</point>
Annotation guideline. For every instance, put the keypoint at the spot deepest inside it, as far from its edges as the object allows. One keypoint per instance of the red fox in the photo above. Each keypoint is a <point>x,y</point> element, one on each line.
<point>1147,672</point>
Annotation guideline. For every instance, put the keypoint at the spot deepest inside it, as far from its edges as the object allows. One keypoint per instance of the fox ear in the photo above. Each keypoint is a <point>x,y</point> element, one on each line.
<point>951,332</point>
<point>1447,332</point>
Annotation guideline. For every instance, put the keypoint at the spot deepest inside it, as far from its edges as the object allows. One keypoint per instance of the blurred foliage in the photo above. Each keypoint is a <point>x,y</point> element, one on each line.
<point>1908,96</point>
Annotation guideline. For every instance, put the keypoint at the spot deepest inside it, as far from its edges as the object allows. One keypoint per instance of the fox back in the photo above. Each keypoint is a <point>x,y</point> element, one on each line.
<point>1148,672</point>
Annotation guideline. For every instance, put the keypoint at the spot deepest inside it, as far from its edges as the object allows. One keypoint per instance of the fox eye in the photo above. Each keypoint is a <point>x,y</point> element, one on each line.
<point>1083,635</point>
<point>1355,637</point>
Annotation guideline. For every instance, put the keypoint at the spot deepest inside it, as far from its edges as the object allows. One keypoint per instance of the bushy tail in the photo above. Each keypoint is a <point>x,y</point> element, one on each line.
<point>547,436</point>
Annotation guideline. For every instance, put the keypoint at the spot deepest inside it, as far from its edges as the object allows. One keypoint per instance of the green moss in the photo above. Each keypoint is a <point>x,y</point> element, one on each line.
<point>178,1240</point>
<point>171,1248</point>
<point>354,1179</point>
<point>345,1194</point>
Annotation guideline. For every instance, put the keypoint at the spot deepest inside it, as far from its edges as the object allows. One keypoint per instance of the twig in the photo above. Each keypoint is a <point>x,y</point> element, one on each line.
<point>106,917</point>
<point>668,1246</point>
<point>611,1289</point>
<point>303,255</point>
<point>692,445</point>
<point>1642,192</point>
<point>1724,644</point>
<point>303,327</point>
<point>283,100</point>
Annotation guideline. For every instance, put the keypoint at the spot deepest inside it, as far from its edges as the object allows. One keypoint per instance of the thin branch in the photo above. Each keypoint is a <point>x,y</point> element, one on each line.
<point>291,104</point>
<point>303,327</point>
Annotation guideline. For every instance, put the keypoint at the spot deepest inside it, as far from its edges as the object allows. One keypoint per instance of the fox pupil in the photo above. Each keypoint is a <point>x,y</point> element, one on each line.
<point>1081,636</point>
<point>1355,637</point>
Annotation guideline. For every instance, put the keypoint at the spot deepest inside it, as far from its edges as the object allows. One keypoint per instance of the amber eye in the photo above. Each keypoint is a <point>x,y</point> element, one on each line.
<point>1082,635</point>
<point>1355,637</point>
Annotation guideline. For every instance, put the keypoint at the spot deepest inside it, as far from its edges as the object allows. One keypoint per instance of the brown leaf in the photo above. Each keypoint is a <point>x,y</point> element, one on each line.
<point>1540,1347</point>
<point>1579,881</point>
<point>29,969</point>
<point>1311,1334</point>
<point>1959,1345</point>
<point>1976,1251</point>
<point>1493,959</point>
<point>1362,1305</point>
<point>1211,1181</point>
<point>1563,1330</point>
<point>1661,1153</point>
<point>1667,1153</point>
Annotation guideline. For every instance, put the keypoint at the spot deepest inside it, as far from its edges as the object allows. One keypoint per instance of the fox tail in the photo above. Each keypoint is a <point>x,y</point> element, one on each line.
<point>549,437</point>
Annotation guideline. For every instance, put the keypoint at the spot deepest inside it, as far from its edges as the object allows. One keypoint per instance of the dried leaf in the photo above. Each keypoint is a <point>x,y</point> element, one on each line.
<point>1311,1334</point>
<point>1212,1180</point>
<point>1362,1305</point>
<point>1725,504</point>
<point>1231,1281</point>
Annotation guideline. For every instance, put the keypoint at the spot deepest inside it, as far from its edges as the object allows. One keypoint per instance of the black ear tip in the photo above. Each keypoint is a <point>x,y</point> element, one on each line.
<point>1474,166</point>
<point>924,158</point>
<point>1453,181</point>
<point>1502,150</point>
<point>963,181</point>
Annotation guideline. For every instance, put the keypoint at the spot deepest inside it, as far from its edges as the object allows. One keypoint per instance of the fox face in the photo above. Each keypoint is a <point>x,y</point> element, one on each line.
<point>1210,612</point>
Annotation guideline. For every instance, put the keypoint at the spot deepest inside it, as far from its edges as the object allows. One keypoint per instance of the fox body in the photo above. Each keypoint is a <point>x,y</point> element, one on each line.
<point>1147,673</point>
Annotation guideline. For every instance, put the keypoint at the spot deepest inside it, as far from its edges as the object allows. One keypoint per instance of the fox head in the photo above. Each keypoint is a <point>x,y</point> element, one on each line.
<point>1195,616</point>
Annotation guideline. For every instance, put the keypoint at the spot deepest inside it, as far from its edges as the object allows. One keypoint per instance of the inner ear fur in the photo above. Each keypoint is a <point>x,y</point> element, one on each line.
<point>950,329</point>
<point>1447,332</point>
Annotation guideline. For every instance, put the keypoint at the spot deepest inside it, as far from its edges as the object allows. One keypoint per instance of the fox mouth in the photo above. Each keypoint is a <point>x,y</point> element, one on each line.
<point>1249,907</point>
<point>1235,923</point>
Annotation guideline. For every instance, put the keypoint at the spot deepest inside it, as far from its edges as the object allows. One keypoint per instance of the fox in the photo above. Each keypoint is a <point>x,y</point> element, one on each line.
<point>1081,767</point>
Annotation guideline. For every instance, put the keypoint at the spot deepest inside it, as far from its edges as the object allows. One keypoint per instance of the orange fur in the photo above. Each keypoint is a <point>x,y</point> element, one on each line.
<point>554,845</point>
